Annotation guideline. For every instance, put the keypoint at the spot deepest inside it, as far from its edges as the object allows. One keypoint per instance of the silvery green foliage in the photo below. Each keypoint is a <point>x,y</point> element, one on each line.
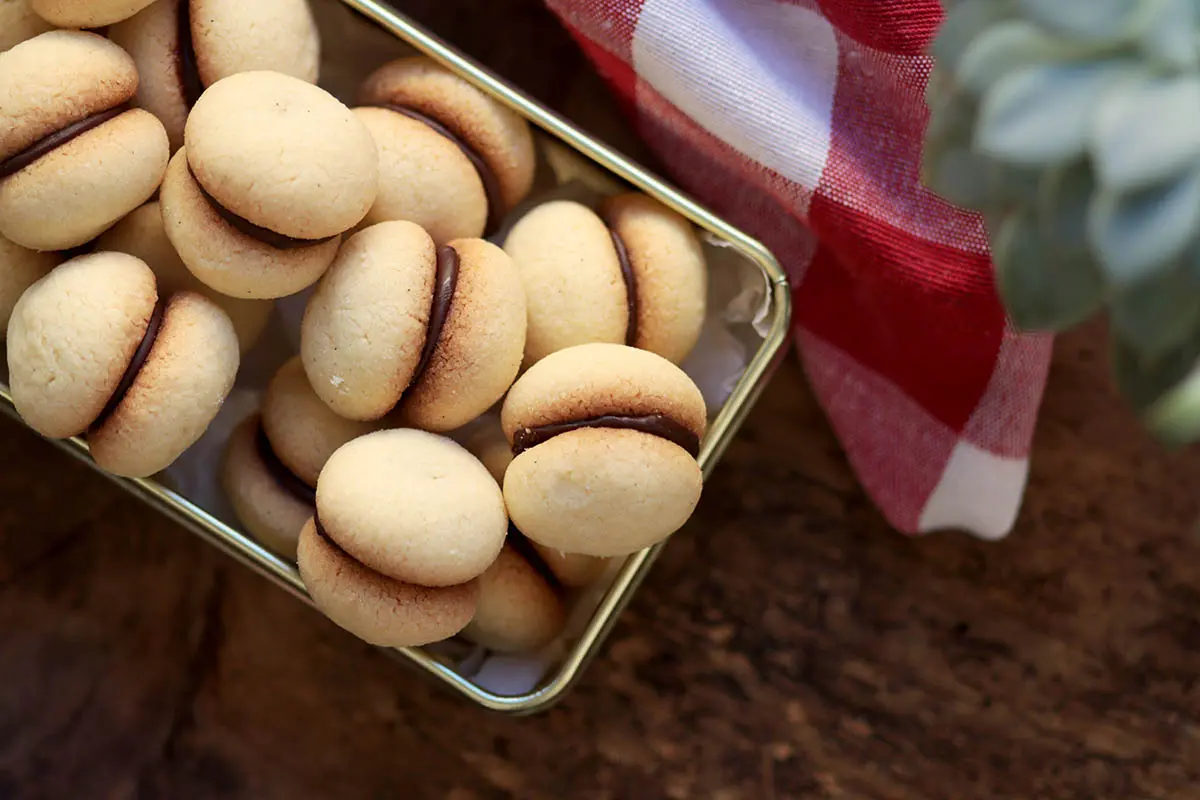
<point>1073,127</point>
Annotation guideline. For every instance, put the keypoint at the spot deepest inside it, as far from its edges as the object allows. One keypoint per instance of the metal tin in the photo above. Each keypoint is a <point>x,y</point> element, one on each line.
<point>630,574</point>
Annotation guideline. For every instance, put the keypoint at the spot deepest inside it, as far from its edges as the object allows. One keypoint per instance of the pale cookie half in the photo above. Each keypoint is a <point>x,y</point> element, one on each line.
<point>99,306</point>
<point>267,509</point>
<point>19,269</point>
<point>302,430</point>
<point>573,570</point>
<point>518,610</point>
<point>574,290</point>
<point>489,444</point>
<point>414,506</point>
<point>19,22</point>
<point>87,13</point>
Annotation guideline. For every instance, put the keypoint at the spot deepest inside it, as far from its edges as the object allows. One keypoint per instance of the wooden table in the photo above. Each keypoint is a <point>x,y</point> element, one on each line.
<point>788,645</point>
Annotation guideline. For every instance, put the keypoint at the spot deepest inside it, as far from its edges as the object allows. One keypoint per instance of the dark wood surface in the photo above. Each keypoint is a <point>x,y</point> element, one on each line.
<point>788,644</point>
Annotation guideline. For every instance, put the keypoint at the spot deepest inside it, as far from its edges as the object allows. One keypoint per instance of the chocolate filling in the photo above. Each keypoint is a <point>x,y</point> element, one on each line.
<point>189,71</point>
<point>444,284</point>
<point>631,297</point>
<point>491,183</point>
<point>288,480</point>
<point>324,534</point>
<point>654,424</point>
<point>135,365</point>
<point>265,235</point>
<point>14,164</point>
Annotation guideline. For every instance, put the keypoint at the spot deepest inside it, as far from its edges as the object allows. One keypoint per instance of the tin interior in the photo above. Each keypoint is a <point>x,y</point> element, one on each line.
<point>594,611</point>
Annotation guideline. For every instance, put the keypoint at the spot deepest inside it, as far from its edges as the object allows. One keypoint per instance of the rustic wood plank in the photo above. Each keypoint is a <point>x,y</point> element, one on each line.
<point>787,645</point>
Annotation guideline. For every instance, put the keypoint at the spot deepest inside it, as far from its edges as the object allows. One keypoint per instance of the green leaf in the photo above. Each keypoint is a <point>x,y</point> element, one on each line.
<point>962,24</point>
<point>1014,186</point>
<point>1141,234</point>
<point>1064,196</point>
<point>994,220</point>
<point>1157,314</point>
<point>1165,391</point>
<point>1001,49</point>
<point>1191,265</point>
<point>938,88</point>
<point>1170,39</point>
<point>1175,417</point>
<point>1104,20</point>
<point>1042,115</point>
<point>959,176</point>
<point>1146,381</point>
<point>951,122</point>
<point>1040,289</point>
<point>1147,131</point>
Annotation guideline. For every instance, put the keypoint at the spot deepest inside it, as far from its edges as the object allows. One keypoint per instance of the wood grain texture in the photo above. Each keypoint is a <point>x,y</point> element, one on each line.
<point>787,645</point>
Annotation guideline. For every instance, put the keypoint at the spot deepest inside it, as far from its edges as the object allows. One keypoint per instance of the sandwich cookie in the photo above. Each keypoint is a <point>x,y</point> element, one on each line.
<point>377,609</point>
<point>274,457</point>
<point>181,47</point>
<point>142,234</point>
<point>405,522</point>
<point>87,13</point>
<point>412,505</point>
<point>435,333</point>
<point>19,22</point>
<point>74,157</point>
<point>605,439</point>
<point>518,610</point>
<point>489,444</point>
<point>20,269</point>
<point>452,159</point>
<point>273,170</point>
<point>633,274</point>
<point>93,348</point>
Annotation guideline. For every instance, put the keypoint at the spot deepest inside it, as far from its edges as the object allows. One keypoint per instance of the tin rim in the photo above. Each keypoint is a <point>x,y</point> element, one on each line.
<point>730,418</point>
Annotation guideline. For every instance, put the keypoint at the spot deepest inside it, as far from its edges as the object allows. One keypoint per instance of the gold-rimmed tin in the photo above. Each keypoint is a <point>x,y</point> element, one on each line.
<point>630,574</point>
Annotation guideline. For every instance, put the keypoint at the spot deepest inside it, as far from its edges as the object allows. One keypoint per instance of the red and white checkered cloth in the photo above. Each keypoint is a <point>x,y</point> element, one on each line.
<point>801,121</point>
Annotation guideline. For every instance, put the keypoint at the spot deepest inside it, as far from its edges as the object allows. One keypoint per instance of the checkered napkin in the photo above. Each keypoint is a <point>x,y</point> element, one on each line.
<point>801,121</point>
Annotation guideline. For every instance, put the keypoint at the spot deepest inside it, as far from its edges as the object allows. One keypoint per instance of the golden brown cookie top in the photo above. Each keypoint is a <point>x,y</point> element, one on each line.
<point>58,79</point>
<point>282,154</point>
<point>414,506</point>
<point>500,136</point>
<point>590,381</point>
<point>302,430</point>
